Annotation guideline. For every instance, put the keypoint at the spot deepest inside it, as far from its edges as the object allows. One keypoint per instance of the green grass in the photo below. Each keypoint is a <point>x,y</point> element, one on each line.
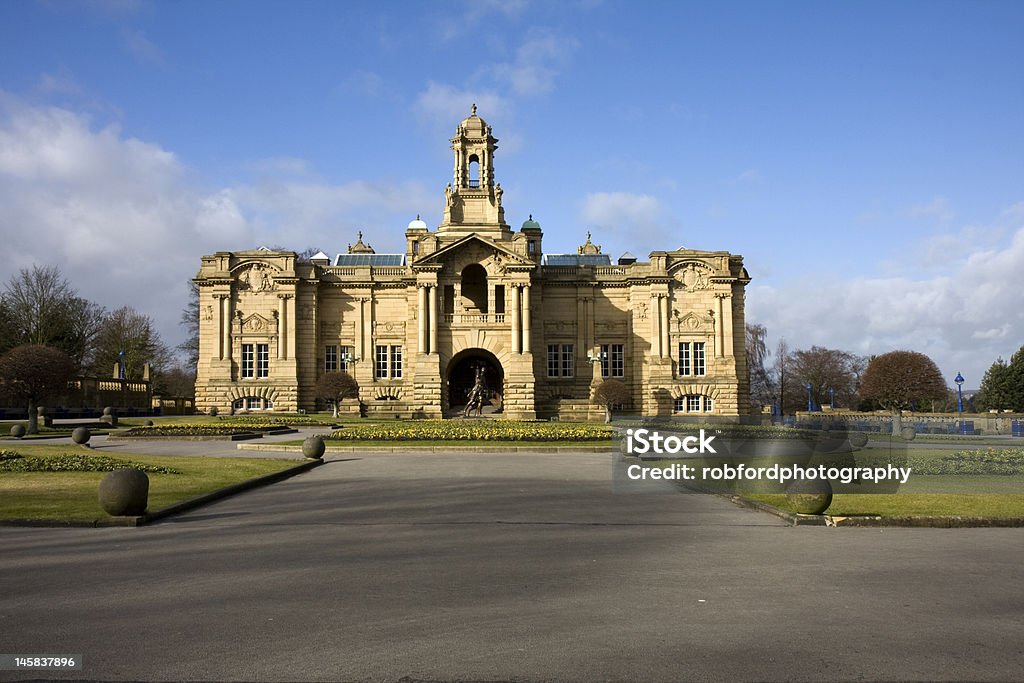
<point>460,443</point>
<point>900,504</point>
<point>72,496</point>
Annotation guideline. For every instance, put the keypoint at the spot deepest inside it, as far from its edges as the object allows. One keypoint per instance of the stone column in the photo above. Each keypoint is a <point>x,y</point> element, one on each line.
<point>282,328</point>
<point>421,339</point>
<point>663,304</point>
<point>433,319</point>
<point>655,327</point>
<point>719,328</point>
<point>526,319</point>
<point>728,344</point>
<point>360,317</point>
<point>516,341</point>
<point>226,329</point>
<point>291,326</point>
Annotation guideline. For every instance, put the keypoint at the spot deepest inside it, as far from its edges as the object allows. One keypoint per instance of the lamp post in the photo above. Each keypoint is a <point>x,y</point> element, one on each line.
<point>959,379</point>
<point>832,398</point>
<point>810,403</point>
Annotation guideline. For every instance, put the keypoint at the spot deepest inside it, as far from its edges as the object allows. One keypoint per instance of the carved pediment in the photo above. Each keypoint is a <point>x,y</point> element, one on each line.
<point>693,275</point>
<point>257,324</point>
<point>691,322</point>
<point>495,257</point>
<point>255,276</point>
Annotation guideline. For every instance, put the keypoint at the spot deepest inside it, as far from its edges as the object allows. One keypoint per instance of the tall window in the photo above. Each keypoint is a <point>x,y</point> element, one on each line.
<point>691,358</point>
<point>698,358</point>
<point>247,361</point>
<point>396,362</point>
<point>330,358</point>
<point>560,360</point>
<point>346,354</point>
<point>612,360</point>
<point>388,362</point>
<point>566,360</point>
<point>255,360</point>
<point>263,360</point>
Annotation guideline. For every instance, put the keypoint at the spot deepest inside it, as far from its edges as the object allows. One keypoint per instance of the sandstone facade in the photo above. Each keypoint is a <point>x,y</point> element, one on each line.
<point>473,295</point>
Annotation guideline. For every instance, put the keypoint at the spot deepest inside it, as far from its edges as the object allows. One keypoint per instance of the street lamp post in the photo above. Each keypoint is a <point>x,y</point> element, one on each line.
<point>959,379</point>
<point>810,403</point>
<point>832,398</point>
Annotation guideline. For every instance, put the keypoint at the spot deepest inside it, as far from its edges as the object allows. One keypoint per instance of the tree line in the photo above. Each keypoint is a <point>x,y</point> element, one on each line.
<point>39,307</point>
<point>779,379</point>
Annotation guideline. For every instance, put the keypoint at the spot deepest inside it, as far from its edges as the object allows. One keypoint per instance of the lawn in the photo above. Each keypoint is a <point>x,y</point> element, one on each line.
<point>900,504</point>
<point>969,483</point>
<point>72,496</point>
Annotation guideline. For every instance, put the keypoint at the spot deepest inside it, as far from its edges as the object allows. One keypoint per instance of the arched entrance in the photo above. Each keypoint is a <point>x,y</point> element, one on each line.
<point>462,369</point>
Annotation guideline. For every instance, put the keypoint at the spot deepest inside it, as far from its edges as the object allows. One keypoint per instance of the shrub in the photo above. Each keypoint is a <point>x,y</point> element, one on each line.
<point>12,461</point>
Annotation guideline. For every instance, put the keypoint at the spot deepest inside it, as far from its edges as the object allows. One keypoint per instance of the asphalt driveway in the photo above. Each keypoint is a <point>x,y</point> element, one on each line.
<point>508,567</point>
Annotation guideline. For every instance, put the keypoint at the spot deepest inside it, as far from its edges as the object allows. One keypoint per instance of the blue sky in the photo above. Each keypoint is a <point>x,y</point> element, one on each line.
<point>866,158</point>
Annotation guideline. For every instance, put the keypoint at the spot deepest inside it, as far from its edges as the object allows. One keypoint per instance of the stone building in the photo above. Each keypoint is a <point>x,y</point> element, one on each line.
<point>473,296</point>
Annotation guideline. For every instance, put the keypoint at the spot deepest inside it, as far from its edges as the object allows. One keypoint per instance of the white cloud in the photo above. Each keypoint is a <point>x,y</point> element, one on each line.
<point>937,209</point>
<point>127,224</point>
<point>142,48</point>
<point>638,222</point>
<point>963,320</point>
<point>539,60</point>
<point>445,105</point>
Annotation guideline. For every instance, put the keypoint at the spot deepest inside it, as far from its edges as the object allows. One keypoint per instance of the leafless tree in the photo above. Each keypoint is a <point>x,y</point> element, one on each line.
<point>336,387</point>
<point>609,394</point>
<point>33,373</point>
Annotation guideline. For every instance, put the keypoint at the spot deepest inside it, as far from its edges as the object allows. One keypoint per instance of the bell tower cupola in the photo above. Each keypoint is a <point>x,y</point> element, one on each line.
<point>473,198</point>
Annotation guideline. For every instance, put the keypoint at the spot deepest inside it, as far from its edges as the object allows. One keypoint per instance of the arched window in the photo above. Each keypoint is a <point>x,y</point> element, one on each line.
<point>474,288</point>
<point>474,171</point>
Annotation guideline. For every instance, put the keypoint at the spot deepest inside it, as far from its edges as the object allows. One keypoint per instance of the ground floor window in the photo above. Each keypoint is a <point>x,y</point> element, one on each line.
<point>252,403</point>
<point>693,403</point>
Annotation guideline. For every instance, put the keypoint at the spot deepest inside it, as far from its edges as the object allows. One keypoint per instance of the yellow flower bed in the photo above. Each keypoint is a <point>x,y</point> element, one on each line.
<point>474,430</point>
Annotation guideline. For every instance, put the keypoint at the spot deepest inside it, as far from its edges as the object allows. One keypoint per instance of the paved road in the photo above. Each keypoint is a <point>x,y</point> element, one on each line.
<point>519,567</point>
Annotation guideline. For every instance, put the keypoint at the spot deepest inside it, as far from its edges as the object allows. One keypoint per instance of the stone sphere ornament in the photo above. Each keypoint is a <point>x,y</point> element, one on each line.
<point>908,433</point>
<point>149,423</point>
<point>81,435</point>
<point>18,431</point>
<point>858,439</point>
<point>809,496</point>
<point>313,447</point>
<point>108,411</point>
<point>124,493</point>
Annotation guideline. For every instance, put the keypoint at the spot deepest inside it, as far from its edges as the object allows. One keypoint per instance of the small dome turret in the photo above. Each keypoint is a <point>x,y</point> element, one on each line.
<point>417,225</point>
<point>530,224</point>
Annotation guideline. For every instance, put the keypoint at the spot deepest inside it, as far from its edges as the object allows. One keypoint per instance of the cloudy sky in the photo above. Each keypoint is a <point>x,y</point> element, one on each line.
<point>867,159</point>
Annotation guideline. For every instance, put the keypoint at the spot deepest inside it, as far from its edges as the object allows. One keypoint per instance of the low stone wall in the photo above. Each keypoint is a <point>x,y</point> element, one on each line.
<point>986,424</point>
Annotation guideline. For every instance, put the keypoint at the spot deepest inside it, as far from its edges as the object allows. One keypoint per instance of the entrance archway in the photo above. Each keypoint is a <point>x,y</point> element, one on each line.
<point>462,370</point>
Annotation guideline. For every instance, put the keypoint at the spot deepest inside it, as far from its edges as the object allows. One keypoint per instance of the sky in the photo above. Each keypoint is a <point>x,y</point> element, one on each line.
<point>865,158</point>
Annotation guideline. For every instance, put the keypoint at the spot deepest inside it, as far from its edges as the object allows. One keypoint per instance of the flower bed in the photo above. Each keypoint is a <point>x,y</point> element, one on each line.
<point>12,461</point>
<point>195,430</point>
<point>475,430</point>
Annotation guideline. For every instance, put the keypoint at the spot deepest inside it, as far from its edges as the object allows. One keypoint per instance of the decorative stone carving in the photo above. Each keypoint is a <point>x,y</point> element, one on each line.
<point>256,278</point>
<point>694,276</point>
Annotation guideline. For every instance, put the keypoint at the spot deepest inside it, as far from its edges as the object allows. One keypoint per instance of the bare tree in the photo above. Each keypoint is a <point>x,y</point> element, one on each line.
<point>129,332</point>
<point>190,321</point>
<point>33,373</point>
<point>609,394</point>
<point>336,387</point>
<point>761,384</point>
<point>782,373</point>
<point>824,369</point>
<point>42,308</point>
<point>899,378</point>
